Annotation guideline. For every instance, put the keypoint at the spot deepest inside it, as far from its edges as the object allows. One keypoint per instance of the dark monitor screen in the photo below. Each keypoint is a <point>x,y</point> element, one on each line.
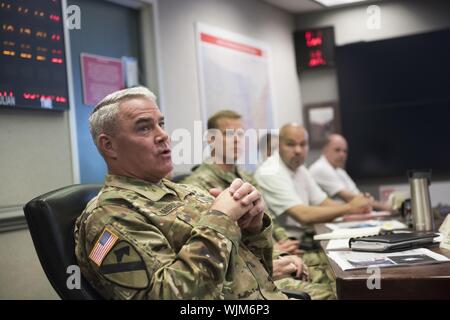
<point>32,55</point>
<point>395,105</point>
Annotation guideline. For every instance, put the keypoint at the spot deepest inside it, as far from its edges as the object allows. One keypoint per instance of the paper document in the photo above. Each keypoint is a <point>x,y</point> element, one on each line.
<point>349,260</point>
<point>366,216</point>
<point>384,224</point>
<point>445,230</point>
<point>348,233</point>
<point>338,244</point>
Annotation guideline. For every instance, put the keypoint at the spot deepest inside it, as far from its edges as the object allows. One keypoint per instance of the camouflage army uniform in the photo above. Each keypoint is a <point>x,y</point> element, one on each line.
<point>161,241</point>
<point>208,176</point>
<point>322,284</point>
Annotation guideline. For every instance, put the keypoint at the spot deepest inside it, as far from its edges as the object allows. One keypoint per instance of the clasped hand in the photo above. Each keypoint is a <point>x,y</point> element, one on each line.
<point>241,202</point>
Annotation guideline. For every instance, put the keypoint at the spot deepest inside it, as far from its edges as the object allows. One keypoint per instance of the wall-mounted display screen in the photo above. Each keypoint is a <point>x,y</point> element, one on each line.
<point>32,55</point>
<point>395,105</point>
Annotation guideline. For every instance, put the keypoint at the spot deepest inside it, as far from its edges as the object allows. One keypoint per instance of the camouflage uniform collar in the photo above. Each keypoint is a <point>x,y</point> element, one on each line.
<point>181,191</point>
<point>152,191</point>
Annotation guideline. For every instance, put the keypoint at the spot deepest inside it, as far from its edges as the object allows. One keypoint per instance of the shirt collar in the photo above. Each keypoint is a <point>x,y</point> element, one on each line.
<point>292,173</point>
<point>325,160</point>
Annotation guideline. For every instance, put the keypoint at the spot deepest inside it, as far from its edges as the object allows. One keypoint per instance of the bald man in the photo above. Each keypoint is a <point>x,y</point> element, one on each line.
<point>292,193</point>
<point>329,173</point>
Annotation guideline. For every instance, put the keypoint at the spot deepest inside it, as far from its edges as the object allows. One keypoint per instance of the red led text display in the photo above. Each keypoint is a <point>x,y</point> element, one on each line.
<point>314,48</point>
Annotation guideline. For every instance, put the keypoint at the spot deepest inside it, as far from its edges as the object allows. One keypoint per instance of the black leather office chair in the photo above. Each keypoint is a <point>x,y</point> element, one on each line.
<point>51,219</point>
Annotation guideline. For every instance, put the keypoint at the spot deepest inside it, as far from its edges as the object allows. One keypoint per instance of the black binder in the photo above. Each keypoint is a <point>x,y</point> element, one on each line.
<point>392,242</point>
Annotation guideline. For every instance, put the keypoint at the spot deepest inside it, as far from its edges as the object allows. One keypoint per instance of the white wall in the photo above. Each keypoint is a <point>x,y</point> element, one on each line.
<point>35,155</point>
<point>181,102</point>
<point>398,18</point>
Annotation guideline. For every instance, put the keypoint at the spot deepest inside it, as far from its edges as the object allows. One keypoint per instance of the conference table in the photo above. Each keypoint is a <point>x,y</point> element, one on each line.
<point>430,281</point>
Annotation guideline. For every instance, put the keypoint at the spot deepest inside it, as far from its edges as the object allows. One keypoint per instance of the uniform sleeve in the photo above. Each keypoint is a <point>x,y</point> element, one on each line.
<point>278,232</point>
<point>261,244</point>
<point>327,179</point>
<point>142,263</point>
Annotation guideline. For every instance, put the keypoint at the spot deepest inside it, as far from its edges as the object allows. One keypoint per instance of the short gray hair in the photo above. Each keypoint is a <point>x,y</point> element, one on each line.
<point>103,117</point>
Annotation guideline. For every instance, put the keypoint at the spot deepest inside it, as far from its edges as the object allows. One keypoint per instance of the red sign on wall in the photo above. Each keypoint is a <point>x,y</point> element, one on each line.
<point>100,76</point>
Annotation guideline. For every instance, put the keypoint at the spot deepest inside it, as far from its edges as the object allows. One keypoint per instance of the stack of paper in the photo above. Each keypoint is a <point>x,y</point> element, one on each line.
<point>366,216</point>
<point>342,232</point>
<point>337,244</point>
<point>348,233</point>
<point>348,260</point>
<point>445,231</point>
<point>384,224</point>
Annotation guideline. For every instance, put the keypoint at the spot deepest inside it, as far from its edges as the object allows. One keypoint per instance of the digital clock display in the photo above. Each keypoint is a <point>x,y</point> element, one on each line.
<point>32,55</point>
<point>314,48</point>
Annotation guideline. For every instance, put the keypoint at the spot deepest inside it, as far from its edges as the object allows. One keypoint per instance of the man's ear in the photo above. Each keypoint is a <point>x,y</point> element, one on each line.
<point>106,145</point>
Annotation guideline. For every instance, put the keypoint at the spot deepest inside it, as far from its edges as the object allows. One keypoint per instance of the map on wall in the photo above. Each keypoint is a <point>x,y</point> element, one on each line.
<point>234,74</point>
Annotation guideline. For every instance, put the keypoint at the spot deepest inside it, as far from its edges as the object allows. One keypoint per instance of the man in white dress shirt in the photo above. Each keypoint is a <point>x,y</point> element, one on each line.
<point>291,192</point>
<point>328,171</point>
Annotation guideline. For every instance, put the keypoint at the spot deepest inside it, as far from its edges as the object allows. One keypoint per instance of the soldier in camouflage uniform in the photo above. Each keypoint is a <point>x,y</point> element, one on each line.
<point>144,237</point>
<point>219,171</point>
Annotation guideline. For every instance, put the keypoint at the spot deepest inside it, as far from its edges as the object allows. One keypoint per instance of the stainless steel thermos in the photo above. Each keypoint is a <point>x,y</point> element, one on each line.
<point>422,214</point>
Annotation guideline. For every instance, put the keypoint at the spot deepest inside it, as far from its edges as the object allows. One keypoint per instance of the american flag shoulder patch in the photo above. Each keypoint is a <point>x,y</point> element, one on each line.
<point>103,245</point>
